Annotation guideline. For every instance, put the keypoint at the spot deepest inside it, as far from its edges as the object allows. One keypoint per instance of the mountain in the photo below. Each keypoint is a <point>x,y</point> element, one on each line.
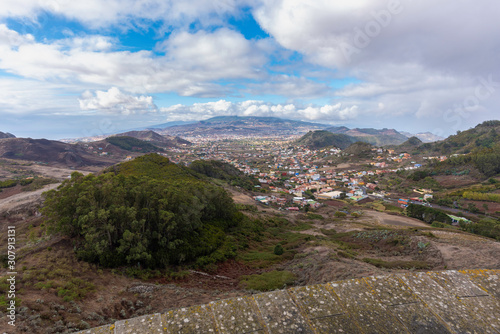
<point>426,137</point>
<point>410,145</point>
<point>4,135</point>
<point>156,139</point>
<point>321,139</point>
<point>49,152</point>
<point>484,135</point>
<point>242,126</point>
<point>359,149</point>
<point>372,136</point>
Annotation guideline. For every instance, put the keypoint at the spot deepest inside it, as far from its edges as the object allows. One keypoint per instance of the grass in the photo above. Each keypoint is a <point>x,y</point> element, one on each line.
<point>314,216</point>
<point>397,264</point>
<point>271,280</point>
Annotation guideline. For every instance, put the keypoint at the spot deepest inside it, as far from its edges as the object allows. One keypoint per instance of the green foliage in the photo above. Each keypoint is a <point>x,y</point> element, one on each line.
<point>75,289</point>
<point>278,249</point>
<point>267,281</point>
<point>320,139</point>
<point>477,196</point>
<point>340,214</point>
<point>128,217</point>
<point>37,183</point>
<point>223,171</point>
<point>314,216</point>
<point>8,183</point>
<point>427,214</point>
<point>486,227</point>
<point>132,144</point>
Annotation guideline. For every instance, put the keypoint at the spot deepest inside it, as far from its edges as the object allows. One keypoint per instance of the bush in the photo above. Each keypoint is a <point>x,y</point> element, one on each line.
<point>271,280</point>
<point>340,214</point>
<point>278,249</point>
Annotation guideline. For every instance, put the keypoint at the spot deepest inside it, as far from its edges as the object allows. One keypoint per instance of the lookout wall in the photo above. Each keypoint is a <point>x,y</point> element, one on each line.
<point>465,301</point>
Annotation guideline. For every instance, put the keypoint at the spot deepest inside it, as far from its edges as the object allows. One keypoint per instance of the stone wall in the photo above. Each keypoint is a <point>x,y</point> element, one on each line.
<point>466,301</point>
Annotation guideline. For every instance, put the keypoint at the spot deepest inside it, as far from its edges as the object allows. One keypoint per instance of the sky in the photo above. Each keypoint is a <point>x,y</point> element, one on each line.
<point>72,69</point>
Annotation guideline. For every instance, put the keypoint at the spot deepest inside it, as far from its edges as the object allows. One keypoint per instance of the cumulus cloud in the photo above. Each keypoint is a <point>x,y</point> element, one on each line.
<point>326,113</point>
<point>192,65</point>
<point>114,100</point>
<point>104,13</point>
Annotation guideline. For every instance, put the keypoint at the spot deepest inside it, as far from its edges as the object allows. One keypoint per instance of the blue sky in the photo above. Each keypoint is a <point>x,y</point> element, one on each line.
<point>77,68</point>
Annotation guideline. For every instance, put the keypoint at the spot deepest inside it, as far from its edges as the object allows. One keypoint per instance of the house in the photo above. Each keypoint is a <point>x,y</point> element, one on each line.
<point>455,220</point>
<point>329,195</point>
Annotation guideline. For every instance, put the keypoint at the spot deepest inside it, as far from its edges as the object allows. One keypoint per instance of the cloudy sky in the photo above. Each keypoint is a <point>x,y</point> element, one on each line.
<point>78,68</point>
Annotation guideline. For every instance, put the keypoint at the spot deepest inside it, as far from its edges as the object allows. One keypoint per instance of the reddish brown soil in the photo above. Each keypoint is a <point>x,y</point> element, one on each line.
<point>7,192</point>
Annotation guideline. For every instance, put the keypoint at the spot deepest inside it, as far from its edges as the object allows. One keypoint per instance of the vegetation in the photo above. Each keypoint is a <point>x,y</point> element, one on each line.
<point>223,171</point>
<point>477,196</point>
<point>322,139</point>
<point>486,227</point>
<point>271,280</point>
<point>132,144</point>
<point>8,183</point>
<point>427,214</point>
<point>137,213</point>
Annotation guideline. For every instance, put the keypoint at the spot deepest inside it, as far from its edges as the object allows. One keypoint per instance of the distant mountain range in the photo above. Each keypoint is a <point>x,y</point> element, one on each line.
<point>241,126</point>
<point>4,135</point>
<point>372,136</point>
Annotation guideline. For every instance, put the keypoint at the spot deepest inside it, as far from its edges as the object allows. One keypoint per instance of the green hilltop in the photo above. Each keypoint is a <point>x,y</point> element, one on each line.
<point>147,211</point>
<point>321,139</point>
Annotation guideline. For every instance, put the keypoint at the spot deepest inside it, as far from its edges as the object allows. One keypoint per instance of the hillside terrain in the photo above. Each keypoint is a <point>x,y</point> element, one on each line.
<point>372,136</point>
<point>149,233</point>
<point>156,139</point>
<point>48,151</point>
<point>321,139</point>
<point>484,135</point>
<point>6,135</point>
<point>76,278</point>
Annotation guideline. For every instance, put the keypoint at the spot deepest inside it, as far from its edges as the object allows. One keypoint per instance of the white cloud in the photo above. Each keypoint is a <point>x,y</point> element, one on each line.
<point>105,13</point>
<point>193,65</point>
<point>113,100</point>
<point>197,111</point>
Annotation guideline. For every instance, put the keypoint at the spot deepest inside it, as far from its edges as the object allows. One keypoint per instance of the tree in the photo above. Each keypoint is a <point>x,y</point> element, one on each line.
<point>141,217</point>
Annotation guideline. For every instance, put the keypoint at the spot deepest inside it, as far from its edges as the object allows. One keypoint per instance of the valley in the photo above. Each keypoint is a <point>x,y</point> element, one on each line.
<point>305,212</point>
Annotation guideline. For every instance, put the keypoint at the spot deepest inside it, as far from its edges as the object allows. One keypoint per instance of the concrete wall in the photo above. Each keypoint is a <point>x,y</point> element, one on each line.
<point>451,301</point>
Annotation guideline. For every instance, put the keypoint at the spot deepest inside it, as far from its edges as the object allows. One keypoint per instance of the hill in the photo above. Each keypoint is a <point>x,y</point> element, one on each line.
<point>320,139</point>
<point>359,149</point>
<point>223,171</point>
<point>50,152</point>
<point>132,144</point>
<point>155,138</point>
<point>242,126</point>
<point>6,135</point>
<point>484,135</point>
<point>147,211</point>
<point>372,136</point>
<point>410,145</point>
